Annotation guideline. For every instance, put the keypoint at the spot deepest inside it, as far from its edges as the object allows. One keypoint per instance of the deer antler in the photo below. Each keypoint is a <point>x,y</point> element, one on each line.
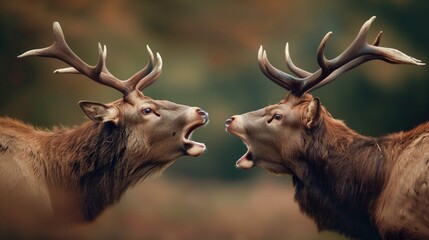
<point>99,73</point>
<point>357,53</point>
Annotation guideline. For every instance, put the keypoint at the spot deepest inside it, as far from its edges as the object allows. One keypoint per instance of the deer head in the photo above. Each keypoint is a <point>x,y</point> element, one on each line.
<point>277,135</point>
<point>162,127</point>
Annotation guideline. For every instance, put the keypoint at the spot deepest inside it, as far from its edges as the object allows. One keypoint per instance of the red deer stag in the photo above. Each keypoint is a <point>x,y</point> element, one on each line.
<point>363,187</point>
<point>73,174</point>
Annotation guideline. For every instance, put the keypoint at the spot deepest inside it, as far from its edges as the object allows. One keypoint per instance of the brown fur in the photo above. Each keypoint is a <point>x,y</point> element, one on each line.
<point>84,166</point>
<point>363,187</point>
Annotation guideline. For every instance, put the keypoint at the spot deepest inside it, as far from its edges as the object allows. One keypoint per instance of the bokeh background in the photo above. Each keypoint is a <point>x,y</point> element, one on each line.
<point>209,50</point>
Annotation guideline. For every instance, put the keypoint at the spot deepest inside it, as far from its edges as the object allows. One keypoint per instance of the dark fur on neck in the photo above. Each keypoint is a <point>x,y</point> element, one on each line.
<point>345,174</point>
<point>91,162</point>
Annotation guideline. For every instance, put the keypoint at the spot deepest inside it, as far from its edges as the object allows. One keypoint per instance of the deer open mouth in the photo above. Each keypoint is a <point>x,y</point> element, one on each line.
<point>191,130</point>
<point>246,161</point>
<point>194,148</point>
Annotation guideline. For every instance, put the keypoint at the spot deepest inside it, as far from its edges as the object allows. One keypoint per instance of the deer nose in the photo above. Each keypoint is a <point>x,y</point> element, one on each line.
<point>229,121</point>
<point>203,114</point>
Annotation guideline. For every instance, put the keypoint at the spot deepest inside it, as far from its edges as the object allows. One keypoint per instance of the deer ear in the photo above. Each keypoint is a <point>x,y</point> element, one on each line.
<point>99,112</point>
<point>312,113</point>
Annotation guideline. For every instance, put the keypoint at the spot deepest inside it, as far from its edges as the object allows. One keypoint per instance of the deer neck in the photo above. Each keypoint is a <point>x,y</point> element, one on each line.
<point>354,166</point>
<point>344,171</point>
<point>89,168</point>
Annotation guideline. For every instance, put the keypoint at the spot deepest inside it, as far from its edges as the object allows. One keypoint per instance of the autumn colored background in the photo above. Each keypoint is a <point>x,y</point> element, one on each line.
<point>209,50</point>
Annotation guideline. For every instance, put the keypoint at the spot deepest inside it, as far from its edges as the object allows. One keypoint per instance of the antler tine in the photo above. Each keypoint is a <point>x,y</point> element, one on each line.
<point>150,78</point>
<point>326,67</point>
<point>134,80</point>
<point>282,79</point>
<point>60,50</point>
<point>292,67</point>
<point>377,40</point>
<point>324,63</point>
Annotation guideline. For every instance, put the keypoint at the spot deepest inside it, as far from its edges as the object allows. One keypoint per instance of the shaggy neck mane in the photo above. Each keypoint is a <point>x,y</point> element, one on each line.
<point>345,173</point>
<point>91,161</point>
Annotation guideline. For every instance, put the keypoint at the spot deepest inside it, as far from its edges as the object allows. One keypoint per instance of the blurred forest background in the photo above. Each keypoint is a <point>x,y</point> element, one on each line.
<point>209,50</point>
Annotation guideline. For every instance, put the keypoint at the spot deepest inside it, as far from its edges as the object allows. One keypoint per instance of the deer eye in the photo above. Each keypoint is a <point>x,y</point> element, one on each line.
<point>275,117</point>
<point>146,111</point>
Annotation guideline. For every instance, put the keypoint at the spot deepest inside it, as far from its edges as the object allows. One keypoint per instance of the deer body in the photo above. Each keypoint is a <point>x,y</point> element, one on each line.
<point>70,175</point>
<point>405,199</point>
<point>23,188</point>
<point>363,187</point>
